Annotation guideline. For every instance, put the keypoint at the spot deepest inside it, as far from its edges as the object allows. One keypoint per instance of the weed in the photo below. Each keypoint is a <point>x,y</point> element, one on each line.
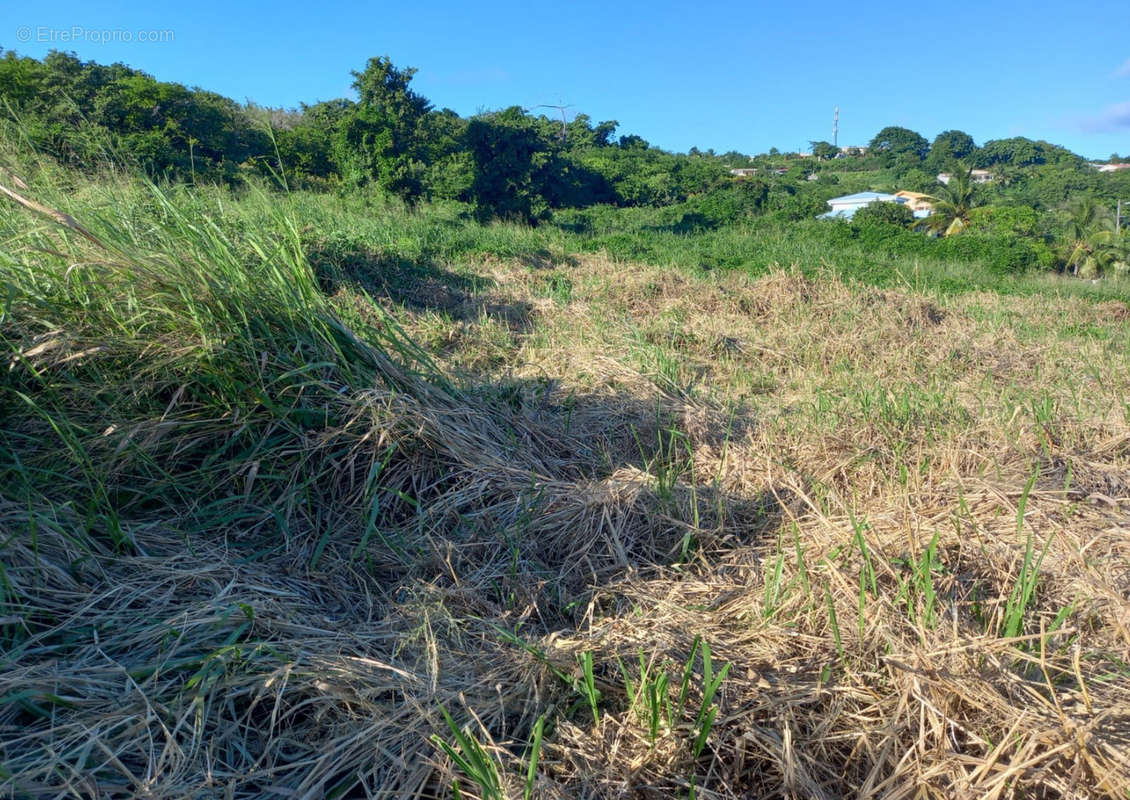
<point>473,759</point>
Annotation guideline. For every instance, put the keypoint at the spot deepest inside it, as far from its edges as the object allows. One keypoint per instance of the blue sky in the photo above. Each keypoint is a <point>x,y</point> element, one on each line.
<point>718,74</point>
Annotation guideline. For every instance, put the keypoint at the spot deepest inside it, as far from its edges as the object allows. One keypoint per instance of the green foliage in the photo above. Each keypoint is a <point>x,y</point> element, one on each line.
<point>649,695</point>
<point>1022,152</point>
<point>726,204</point>
<point>1020,598</point>
<point>633,142</point>
<point>513,166</point>
<point>707,711</point>
<point>521,168</point>
<point>794,201</point>
<point>824,150</point>
<point>1092,245</point>
<point>1004,220</point>
<point>535,754</point>
<point>381,138</point>
<point>87,115</point>
<point>448,165</point>
<point>653,699</point>
<point>586,685</point>
<point>948,147</point>
<point>953,203</point>
<point>918,180</point>
<point>884,213</point>
<point>1025,228</point>
<point>305,145</point>
<point>84,113</point>
<point>899,146</point>
<point>580,133</point>
<point>509,163</point>
<point>472,758</point>
<point>918,591</point>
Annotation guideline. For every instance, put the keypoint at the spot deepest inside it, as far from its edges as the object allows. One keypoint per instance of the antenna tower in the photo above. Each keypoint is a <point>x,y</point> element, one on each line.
<point>836,127</point>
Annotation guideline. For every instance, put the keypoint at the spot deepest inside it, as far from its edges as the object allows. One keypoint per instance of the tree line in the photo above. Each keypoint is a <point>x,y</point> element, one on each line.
<point>1044,206</point>
<point>507,163</point>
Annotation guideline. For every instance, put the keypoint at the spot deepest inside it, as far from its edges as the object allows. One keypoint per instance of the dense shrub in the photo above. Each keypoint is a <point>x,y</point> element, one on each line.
<point>884,213</point>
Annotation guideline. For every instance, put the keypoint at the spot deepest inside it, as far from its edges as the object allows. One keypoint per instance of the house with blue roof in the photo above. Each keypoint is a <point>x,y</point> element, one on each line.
<point>846,206</point>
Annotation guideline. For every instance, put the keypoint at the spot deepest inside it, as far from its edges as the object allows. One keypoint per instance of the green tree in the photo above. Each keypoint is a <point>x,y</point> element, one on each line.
<point>509,157</point>
<point>1005,220</point>
<point>917,180</point>
<point>1091,241</point>
<point>953,203</point>
<point>381,138</point>
<point>950,146</point>
<point>1005,175</point>
<point>823,150</point>
<point>581,133</point>
<point>882,212</point>
<point>633,142</point>
<point>894,145</point>
<point>449,168</point>
<point>306,148</point>
<point>1020,151</point>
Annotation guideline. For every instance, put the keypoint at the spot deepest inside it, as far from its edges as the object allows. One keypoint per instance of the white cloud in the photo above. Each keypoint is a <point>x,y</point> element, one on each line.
<point>1114,117</point>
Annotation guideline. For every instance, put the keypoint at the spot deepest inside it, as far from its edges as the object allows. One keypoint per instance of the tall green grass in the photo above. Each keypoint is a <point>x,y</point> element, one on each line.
<point>177,360</point>
<point>446,233</point>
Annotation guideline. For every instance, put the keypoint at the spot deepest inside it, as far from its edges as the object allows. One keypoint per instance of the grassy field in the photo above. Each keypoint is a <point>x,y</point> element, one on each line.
<point>305,496</point>
<point>674,236</point>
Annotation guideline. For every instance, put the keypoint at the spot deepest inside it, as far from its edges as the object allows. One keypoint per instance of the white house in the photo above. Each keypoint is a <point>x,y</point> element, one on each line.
<point>744,172</point>
<point>975,176</point>
<point>846,206</point>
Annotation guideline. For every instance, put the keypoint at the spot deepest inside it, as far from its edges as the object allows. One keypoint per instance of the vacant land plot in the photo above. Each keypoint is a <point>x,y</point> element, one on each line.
<point>285,516</point>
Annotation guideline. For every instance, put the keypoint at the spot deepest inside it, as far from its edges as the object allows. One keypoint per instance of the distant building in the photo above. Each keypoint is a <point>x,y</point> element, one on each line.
<point>744,172</point>
<point>852,150</point>
<point>976,176</point>
<point>1110,167</point>
<point>846,206</point>
<point>917,202</point>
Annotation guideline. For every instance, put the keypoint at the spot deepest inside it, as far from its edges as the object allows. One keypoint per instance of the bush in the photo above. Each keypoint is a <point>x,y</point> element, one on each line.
<point>884,213</point>
<point>729,203</point>
<point>1000,254</point>
<point>790,205</point>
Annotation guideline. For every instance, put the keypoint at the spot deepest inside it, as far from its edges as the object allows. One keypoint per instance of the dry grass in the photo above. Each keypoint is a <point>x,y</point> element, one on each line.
<point>853,414</point>
<point>901,520</point>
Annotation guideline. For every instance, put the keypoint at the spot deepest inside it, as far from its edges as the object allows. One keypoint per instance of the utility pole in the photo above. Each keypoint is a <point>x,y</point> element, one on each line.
<point>562,110</point>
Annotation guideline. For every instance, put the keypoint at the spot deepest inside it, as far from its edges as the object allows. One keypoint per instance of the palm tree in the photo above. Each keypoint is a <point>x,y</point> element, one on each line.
<point>1004,175</point>
<point>952,203</point>
<point>1090,231</point>
<point>1084,215</point>
<point>1120,254</point>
